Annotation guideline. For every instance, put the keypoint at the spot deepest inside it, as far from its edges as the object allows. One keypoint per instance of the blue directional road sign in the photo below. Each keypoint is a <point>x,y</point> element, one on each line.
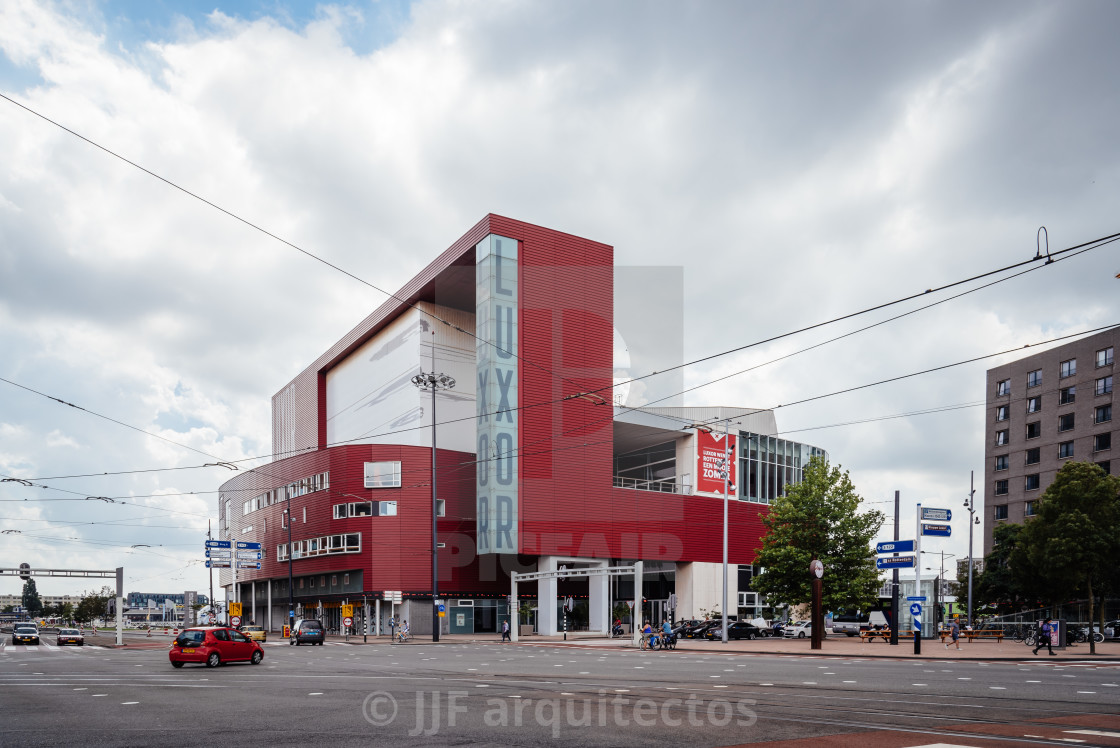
<point>213,553</point>
<point>441,608</point>
<point>248,555</point>
<point>242,546</point>
<point>936,515</point>
<point>916,612</point>
<point>916,609</point>
<point>895,546</point>
<point>895,562</point>
<point>218,544</point>
<point>916,599</point>
<point>941,531</point>
<point>219,564</point>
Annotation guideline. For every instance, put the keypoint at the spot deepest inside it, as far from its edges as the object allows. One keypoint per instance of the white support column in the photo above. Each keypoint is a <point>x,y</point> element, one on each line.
<point>516,622</point>
<point>270,605</point>
<point>546,599</point>
<point>636,613</point>
<point>377,616</point>
<point>253,594</point>
<point>598,600</point>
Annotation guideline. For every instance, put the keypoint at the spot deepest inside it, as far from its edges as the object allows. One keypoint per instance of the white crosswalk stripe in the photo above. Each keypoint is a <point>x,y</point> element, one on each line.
<point>44,648</point>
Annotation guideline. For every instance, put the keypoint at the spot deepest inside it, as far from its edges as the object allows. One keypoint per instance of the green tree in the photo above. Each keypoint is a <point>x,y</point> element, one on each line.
<point>1000,584</point>
<point>1074,540</point>
<point>9,609</point>
<point>66,611</point>
<point>31,602</point>
<point>92,606</point>
<point>820,517</point>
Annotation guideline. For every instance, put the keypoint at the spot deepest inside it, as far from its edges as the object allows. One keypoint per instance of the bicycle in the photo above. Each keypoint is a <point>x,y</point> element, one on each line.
<point>649,641</point>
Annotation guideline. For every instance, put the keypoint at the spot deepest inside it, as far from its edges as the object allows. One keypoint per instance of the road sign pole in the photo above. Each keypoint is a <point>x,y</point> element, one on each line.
<point>918,578</point>
<point>894,587</point>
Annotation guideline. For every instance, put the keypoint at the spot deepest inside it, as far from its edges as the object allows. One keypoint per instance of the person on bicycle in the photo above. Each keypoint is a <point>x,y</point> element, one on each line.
<point>648,636</point>
<point>666,632</point>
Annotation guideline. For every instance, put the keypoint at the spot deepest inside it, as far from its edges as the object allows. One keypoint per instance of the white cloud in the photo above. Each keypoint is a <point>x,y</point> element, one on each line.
<point>801,162</point>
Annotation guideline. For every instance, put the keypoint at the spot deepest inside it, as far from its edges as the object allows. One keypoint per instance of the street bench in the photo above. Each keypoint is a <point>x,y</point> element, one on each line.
<point>996,634</point>
<point>868,635</point>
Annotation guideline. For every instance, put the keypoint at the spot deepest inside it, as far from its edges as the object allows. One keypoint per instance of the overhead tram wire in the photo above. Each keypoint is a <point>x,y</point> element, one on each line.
<point>1049,257</point>
<point>280,239</point>
<point>1082,248</point>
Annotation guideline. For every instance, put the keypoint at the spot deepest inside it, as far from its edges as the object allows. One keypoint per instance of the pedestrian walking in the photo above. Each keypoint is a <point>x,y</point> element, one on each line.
<point>505,632</point>
<point>955,633</point>
<point>1046,636</point>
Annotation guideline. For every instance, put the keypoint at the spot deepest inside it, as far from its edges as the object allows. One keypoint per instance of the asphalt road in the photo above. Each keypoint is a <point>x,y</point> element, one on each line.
<point>529,694</point>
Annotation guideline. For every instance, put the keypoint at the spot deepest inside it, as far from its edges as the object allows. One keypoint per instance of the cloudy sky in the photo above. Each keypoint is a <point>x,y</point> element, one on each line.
<point>800,161</point>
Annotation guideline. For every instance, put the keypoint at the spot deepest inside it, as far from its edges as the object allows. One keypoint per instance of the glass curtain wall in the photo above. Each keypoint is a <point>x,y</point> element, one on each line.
<point>769,464</point>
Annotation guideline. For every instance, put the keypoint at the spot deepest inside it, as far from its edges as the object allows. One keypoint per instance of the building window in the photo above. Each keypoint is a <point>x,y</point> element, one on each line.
<point>1001,437</point>
<point>1104,385</point>
<point>301,583</point>
<point>383,475</point>
<point>1030,482</point>
<point>282,552</point>
<point>1065,422</point>
<point>1102,442</point>
<point>1034,456</point>
<point>1001,511</point>
<point>1001,488</point>
<point>1034,378</point>
<point>353,509</point>
<point>246,529</point>
<point>1067,395</point>
<point>1031,508</point>
<point>386,509</point>
<point>1103,414</point>
<point>1034,430</point>
<point>1001,413</point>
<point>334,580</point>
<point>1104,357</point>
<point>305,515</point>
<point>312,584</point>
<point>1003,387</point>
<point>345,579</point>
<point>1067,368</point>
<point>1001,462</point>
<point>1065,450</point>
<point>441,508</point>
<point>284,520</point>
<point>1105,466</point>
<point>1034,404</point>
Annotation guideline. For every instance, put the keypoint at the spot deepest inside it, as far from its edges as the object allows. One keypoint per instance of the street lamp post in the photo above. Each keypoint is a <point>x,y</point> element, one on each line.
<point>291,591</point>
<point>432,382</point>
<point>970,505</point>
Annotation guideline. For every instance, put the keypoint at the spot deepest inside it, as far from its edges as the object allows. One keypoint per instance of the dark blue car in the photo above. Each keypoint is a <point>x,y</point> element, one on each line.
<point>307,631</point>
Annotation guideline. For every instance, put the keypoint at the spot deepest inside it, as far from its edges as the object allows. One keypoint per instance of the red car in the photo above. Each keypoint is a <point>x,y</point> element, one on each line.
<point>213,646</point>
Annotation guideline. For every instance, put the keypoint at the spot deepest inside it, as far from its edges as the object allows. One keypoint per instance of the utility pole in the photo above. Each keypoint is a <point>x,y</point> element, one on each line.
<point>726,490</point>
<point>208,537</point>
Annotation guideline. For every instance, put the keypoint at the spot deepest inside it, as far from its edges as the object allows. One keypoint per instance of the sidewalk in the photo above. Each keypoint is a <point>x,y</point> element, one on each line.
<point>833,646</point>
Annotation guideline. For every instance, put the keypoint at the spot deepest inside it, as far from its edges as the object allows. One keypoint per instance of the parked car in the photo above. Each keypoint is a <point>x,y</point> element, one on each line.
<point>307,631</point>
<point>698,631</point>
<point>850,624</point>
<point>736,630</point>
<point>70,636</point>
<point>798,630</point>
<point>256,633</point>
<point>213,646</point>
<point>25,634</point>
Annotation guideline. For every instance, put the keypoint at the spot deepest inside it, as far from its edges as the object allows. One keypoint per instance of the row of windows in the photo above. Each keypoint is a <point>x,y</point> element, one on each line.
<point>317,482</point>
<point>1066,396</point>
<point>1068,369</point>
<point>324,546</point>
<point>1101,442</point>
<point>377,509</point>
<point>1066,422</point>
<point>1032,482</point>
<point>323,581</point>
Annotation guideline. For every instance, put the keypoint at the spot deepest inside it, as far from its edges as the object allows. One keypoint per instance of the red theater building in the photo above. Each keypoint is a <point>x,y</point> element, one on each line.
<point>535,465</point>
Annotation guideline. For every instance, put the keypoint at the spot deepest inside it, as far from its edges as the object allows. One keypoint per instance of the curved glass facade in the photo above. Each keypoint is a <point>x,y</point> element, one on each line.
<point>769,464</point>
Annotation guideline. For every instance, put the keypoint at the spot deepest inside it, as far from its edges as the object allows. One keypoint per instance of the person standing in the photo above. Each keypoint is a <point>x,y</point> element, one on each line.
<point>1046,635</point>
<point>505,632</point>
<point>955,633</point>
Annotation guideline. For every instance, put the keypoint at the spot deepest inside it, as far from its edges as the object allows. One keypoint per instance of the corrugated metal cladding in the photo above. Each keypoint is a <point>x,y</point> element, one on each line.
<point>396,550</point>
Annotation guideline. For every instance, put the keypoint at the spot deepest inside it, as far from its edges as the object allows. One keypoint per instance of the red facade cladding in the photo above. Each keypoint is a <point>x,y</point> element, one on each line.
<point>396,550</point>
<point>566,314</point>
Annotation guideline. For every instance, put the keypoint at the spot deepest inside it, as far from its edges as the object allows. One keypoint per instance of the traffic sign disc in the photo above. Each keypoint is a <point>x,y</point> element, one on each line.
<point>347,622</point>
<point>235,621</point>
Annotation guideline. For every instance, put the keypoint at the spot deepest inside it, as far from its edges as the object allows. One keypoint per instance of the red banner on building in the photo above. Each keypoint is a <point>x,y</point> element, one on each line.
<point>710,453</point>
